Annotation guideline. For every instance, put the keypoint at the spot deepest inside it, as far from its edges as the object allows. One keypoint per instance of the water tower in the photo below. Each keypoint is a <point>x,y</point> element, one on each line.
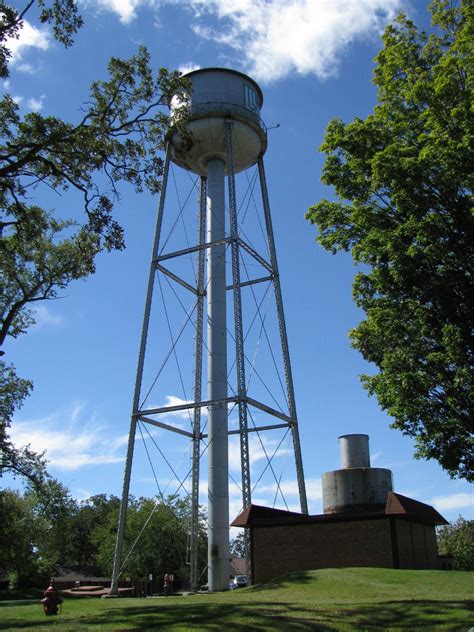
<point>224,136</point>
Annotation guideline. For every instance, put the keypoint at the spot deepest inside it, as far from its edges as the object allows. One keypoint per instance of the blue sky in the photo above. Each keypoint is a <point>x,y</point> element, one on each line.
<point>313,61</point>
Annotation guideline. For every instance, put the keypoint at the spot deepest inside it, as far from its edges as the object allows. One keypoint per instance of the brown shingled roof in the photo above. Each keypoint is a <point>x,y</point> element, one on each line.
<point>398,505</point>
<point>258,512</point>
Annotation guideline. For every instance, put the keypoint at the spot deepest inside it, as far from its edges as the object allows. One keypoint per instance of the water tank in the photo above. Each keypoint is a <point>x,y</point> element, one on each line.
<point>357,486</point>
<point>218,94</point>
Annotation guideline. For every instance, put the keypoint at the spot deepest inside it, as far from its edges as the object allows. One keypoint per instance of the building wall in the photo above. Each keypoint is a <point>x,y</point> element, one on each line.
<point>417,547</point>
<point>280,550</point>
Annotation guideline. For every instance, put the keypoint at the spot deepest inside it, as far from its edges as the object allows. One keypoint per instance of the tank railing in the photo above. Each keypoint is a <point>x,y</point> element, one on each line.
<point>233,108</point>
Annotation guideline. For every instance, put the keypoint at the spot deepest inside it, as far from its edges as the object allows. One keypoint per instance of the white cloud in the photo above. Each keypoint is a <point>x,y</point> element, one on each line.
<point>256,451</point>
<point>26,68</point>
<point>125,9</point>
<point>30,37</point>
<point>276,38</point>
<point>36,105</point>
<point>375,457</point>
<point>17,99</point>
<point>174,400</point>
<point>81,494</point>
<point>72,440</point>
<point>453,502</point>
<point>188,67</point>
<point>271,39</point>
<point>186,414</point>
<point>290,489</point>
<point>42,314</point>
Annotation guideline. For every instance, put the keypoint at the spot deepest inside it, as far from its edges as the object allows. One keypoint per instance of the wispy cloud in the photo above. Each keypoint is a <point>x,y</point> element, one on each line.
<point>81,494</point>
<point>259,450</point>
<point>125,9</point>
<point>30,37</point>
<point>171,417</point>
<point>75,438</point>
<point>290,489</point>
<point>44,316</point>
<point>174,400</point>
<point>452,502</point>
<point>374,458</point>
<point>26,68</point>
<point>36,105</point>
<point>188,67</point>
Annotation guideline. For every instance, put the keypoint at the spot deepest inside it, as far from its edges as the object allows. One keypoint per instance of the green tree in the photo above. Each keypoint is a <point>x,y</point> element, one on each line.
<point>237,545</point>
<point>92,516</point>
<point>50,531</point>
<point>156,539</point>
<point>117,138</point>
<point>18,561</point>
<point>36,536</point>
<point>457,539</point>
<point>403,177</point>
<point>54,513</point>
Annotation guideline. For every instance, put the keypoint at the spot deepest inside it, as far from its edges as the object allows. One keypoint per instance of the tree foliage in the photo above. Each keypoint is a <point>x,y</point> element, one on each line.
<point>156,539</point>
<point>457,539</point>
<point>118,138</point>
<point>37,532</point>
<point>61,14</point>
<point>237,545</point>
<point>403,177</point>
<point>50,532</point>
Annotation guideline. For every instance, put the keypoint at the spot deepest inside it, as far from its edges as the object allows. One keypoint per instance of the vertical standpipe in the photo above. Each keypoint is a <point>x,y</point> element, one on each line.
<point>354,450</point>
<point>218,458</point>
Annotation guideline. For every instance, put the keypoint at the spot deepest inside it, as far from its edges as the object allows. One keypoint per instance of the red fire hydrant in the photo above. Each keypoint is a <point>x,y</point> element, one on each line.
<point>51,600</point>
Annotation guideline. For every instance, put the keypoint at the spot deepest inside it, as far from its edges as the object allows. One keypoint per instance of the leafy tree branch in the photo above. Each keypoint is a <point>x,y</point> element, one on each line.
<point>118,138</point>
<point>403,180</point>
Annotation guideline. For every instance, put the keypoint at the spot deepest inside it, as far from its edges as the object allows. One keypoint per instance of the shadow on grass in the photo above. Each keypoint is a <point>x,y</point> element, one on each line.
<point>290,580</point>
<point>259,617</point>
<point>16,596</point>
<point>407,615</point>
<point>239,617</point>
<point>20,602</point>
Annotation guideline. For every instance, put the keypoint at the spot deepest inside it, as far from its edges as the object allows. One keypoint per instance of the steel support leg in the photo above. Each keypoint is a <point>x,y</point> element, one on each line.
<point>198,391</point>
<point>239,338</point>
<point>284,340</point>
<point>138,382</point>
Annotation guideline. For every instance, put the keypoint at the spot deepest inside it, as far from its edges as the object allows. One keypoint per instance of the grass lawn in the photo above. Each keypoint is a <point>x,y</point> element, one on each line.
<point>330,599</point>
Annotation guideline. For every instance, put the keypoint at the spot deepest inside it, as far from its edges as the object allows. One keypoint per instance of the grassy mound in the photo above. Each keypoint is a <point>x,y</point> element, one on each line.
<point>359,585</point>
<point>329,599</point>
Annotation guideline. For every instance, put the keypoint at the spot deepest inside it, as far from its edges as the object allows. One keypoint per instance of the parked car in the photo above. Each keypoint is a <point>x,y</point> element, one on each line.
<point>239,581</point>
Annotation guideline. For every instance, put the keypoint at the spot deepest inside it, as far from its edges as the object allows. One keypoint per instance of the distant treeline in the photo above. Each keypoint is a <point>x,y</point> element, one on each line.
<point>43,534</point>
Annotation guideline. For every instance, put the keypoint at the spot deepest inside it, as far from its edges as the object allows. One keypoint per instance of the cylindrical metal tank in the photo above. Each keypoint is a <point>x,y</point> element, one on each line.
<point>355,489</point>
<point>218,94</point>
<point>354,450</point>
<point>357,486</point>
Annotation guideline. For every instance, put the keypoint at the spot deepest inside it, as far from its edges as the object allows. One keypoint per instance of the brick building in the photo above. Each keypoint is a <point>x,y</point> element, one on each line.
<point>399,535</point>
<point>364,523</point>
